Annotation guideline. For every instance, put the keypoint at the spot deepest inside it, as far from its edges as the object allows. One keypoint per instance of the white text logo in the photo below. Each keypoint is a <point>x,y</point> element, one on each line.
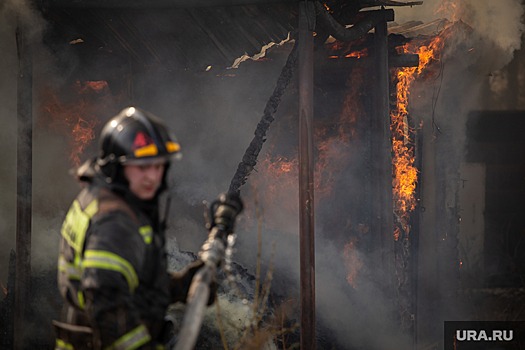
<point>495,335</point>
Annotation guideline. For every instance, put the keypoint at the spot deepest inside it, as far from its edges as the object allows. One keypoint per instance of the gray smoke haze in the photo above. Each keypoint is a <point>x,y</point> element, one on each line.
<point>214,118</point>
<point>11,13</point>
<point>500,22</point>
<point>51,181</point>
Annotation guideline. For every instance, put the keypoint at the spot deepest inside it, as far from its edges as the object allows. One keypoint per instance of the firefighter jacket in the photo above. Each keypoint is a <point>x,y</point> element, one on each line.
<point>112,271</point>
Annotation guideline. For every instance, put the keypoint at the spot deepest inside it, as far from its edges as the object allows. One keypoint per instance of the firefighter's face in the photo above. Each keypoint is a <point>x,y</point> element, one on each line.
<point>144,179</point>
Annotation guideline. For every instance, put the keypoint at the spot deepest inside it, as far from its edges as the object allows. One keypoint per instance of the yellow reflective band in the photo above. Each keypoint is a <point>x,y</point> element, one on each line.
<point>62,345</point>
<point>99,259</point>
<point>81,300</point>
<point>132,340</point>
<point>91,209</point>
<point>72,272</point>
<point>76,224</point>
<point>147,233</point>
<point>172,147</point>
<point>146,151</point>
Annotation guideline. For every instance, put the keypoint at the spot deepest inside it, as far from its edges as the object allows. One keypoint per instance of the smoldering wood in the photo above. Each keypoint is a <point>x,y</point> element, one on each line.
<point>249,159</point>
<point>24,183</point>
<point>405,248</point>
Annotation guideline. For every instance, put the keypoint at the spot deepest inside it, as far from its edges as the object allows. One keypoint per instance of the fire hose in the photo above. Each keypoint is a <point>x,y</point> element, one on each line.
<point>223,213</point>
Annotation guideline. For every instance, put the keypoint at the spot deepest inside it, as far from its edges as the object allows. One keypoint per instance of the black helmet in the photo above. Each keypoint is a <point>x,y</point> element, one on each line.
<point>133,136</point>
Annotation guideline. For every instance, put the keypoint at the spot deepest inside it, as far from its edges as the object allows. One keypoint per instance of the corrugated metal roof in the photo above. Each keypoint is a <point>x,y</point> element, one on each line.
<point>175,38</point>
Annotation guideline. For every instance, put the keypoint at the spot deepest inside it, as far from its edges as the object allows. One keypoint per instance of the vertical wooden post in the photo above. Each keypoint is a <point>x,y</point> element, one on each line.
<point>23,184</point>
<point>382,220</point>
<point>306,175</point>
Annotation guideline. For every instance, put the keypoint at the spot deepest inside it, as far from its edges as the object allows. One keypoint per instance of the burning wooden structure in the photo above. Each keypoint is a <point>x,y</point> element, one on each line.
<point>381,131</point>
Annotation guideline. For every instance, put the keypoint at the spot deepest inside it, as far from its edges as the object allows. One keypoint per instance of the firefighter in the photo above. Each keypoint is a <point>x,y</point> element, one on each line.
<point>112,266</point>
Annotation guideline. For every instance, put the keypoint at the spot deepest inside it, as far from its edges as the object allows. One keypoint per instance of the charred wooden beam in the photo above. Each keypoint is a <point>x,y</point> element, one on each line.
<point>249,159</point>
<point>24,183</point>
<point>366,21</point>
<point>306,174</point>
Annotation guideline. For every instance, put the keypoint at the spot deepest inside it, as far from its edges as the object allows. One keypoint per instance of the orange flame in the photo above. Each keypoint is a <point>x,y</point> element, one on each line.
<point>353,54</point>
<point>358,54</point>
<point>404,171</point>
<point>77,117</point>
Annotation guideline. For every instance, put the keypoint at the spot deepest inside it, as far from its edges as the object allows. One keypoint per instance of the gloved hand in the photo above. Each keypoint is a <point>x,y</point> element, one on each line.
<point>180,283</point>
<point>224,211</point>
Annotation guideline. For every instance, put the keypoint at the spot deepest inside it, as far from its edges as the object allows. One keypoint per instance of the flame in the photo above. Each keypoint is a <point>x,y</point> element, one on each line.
<point>341,49</point>
<point>405,173</point>
<point>77,117</point>
<point>358,54</point>
<point>352,54</point>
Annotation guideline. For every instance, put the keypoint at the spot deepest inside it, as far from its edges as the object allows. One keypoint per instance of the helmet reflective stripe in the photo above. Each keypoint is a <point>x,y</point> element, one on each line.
<point>147,233</point>
<point>146,151</point>
<point>62,345</point>
<point>76,224</point>
<point>172,147</point>
<point>99,259</point>
<point>132,340</point>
